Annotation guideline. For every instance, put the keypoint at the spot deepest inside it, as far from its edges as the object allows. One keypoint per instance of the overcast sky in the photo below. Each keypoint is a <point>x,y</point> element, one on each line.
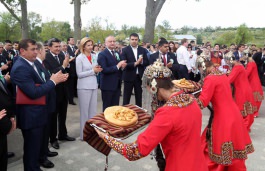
<point>224,13</point>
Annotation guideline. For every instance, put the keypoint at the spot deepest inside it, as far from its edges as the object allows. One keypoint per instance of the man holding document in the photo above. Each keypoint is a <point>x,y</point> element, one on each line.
<point>31,112</point>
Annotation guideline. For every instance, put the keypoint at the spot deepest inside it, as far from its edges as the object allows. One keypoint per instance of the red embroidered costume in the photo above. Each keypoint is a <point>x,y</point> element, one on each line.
<point>229,142</point>
<point>242,93</point>
<point>177,126</point>
<point>253,77</point>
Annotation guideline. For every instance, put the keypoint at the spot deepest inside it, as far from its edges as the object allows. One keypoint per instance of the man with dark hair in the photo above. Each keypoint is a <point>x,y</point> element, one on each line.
<point>239,54</point>
<point>54,62</point>
<point>72,80</point>
<point>8,54</point>
<point>193,46</point>
<point>31,118</point>
<point>168,58</point>
<point>183,60</point>
<point>136,58</point>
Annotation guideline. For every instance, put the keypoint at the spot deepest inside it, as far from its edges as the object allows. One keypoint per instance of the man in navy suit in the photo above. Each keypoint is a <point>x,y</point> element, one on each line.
<point>136,58</point>
<point>110,78</point>
<point>239,54</point>
<point>168,58</point>
<point>31,119</point>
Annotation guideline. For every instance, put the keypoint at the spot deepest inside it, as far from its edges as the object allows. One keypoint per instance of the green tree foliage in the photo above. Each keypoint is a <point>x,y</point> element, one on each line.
<point>199,39</point>
<point>97,32</point>
<point>243,35</point>
<point>58,29</point>
<point>226,38</point>
<point>9,27</point>
<point>34,21</point>
<point>164,30</point>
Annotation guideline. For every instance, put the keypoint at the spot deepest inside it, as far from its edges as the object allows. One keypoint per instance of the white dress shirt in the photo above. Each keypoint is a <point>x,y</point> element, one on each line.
<point>183,56</point>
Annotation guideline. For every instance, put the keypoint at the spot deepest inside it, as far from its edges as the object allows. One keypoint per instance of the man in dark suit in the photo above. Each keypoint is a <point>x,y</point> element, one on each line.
<point>168,58</point>
<point>8,54</point>
<point>239,54</point>
<point>53,63</point>
<point>31,119</point>
<point>259,58</point>
<point>136,59</point>
<point>51,106</point>
<point>72,80</point>
<point>110,78</point>
<point>7,122</point>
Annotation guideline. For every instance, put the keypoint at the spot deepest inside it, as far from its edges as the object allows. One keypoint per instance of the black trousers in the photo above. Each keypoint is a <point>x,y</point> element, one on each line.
<point>72,91</point>
<point>127,91</point>
<point>61,113</point>
<point>3,152</point>
<point>45,141</point>
<point>183,72</point>
<point>110,98</point>
<point>261,74</point>
<point>32,145</point>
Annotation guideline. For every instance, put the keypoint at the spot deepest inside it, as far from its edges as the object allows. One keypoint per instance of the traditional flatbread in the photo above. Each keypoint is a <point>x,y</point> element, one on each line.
<point>183,83</point>
<point>120,116</point>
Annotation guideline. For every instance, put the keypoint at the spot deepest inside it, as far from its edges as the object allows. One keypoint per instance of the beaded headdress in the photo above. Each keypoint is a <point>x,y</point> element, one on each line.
<point>149,84</point>
<point>156,71</point>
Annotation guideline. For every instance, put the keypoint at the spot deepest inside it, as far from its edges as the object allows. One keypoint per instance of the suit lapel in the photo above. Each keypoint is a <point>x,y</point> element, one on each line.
<point>31,69</point>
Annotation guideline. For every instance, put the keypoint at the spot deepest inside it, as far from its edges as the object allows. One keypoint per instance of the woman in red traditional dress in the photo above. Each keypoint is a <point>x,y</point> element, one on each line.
<point>225,140</point>
<point>242,92</point>
<point>174,126</point>
<point>253,78</point>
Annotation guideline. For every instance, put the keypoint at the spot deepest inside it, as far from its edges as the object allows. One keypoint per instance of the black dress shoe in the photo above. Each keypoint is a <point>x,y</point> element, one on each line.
<point>47,164</point>
<point>51,153</point>
<point>55,145</point>
<point>67,138</point>
<point>72,103</point>
<point>10,154</point>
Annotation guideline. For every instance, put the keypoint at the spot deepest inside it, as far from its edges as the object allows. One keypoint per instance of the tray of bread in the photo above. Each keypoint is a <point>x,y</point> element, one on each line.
<point>120,116</point>
<point>187,86</point>
<point>120,122</point>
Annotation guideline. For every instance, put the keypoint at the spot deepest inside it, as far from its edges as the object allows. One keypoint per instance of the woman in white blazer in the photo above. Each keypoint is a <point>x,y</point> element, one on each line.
<point>87,69</point>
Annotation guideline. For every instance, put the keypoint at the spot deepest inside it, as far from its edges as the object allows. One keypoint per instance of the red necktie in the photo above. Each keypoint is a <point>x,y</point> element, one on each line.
<point>164,59</point>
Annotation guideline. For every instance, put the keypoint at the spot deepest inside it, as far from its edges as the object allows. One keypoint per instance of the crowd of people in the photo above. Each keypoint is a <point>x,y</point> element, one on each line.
<point>60,71</point>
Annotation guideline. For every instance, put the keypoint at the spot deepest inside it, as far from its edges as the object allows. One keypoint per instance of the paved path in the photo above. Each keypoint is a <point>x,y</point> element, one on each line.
<point>79,156</point>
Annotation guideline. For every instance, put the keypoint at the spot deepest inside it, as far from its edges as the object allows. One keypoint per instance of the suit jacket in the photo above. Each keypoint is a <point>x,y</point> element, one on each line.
<point>7,103</point>
<point>2,62</point>
<point>52,65</point>
<point>25,77</point>
<point>51,96</point>
<point>86,76</point>
<point>170,56</point>
<point>257,58</point>
<point>129,73</point>
<point>110,77</point>
<point>72,69</point>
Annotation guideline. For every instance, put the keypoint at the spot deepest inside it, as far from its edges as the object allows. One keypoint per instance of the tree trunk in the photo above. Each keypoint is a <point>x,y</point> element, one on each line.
<point>24,19</point>
<point>77,20</point>
<point>153,8</point>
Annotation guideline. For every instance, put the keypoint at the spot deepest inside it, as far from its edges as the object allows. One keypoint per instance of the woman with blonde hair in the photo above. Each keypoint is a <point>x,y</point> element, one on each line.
<point>87,68</point>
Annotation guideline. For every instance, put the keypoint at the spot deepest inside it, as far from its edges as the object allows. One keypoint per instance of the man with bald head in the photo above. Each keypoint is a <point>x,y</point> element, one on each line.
<point>110,78</point>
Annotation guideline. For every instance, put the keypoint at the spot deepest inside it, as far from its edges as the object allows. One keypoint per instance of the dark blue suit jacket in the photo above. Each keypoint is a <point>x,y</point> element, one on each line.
<point>25,77</point>
<point>129,73</point>
<point>110,77</point>
<point>51,97</point>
